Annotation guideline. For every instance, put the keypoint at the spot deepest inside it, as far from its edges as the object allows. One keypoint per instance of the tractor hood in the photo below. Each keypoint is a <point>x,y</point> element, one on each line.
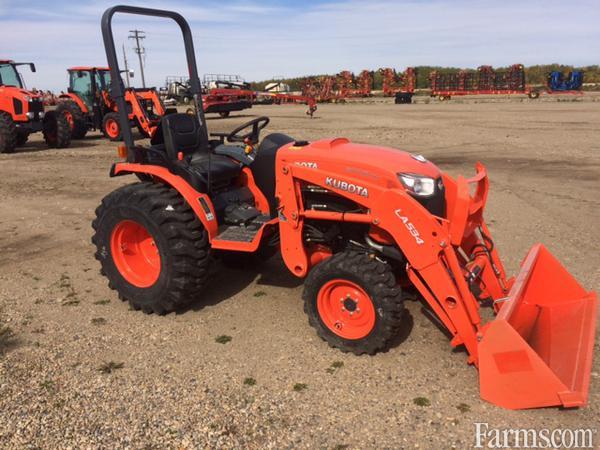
<point>18,93</point>
<point>359,160</point>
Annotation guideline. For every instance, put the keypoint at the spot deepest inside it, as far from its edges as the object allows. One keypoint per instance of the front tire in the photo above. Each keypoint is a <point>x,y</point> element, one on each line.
<point>8,133</point>
<point>111,127</point>
<point>56,130</point>
<point>151,247</point>
<point>353,302</point>
<point>22,139</point>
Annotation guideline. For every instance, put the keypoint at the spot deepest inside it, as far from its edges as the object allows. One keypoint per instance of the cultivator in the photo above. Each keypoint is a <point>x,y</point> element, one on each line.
<point>485,80</point>
<point>558,83</point>
<point>321,89</point>
<point>349,86</point>
<point>399,85</point>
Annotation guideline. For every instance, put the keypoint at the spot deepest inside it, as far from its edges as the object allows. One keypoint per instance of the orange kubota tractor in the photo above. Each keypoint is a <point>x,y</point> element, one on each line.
<point>88,105</point>
<point>22,112</point>
<point>360,222</point>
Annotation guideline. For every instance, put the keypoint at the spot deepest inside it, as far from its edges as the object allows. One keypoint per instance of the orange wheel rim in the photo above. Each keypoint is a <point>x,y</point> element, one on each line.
<point>346,309</point>
<point>135,254</point>
<point>70,119</point>
<point>112,128</point>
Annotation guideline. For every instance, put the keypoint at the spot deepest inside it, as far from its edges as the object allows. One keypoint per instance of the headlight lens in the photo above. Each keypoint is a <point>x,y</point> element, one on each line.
<point>417,184</point>
<point>27,98</point>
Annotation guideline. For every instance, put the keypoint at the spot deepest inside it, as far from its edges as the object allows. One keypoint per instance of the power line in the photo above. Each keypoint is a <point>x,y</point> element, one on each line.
<point>139,35</point>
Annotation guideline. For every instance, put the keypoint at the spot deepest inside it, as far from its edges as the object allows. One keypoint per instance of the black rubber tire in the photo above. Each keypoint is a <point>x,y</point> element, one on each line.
<point>79,128</point>
<point>22,139</point>
<point>224,114</point>
<point>56,130</point>
<point>8,133</point>
<point>377,280</point>
<point>107,117</point>
<point>180,238</point>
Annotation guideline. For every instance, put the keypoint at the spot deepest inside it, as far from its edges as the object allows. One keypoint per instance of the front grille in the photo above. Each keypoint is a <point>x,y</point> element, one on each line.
<point>18,106</point>
<point>36,106</point>
<point>436,203</point>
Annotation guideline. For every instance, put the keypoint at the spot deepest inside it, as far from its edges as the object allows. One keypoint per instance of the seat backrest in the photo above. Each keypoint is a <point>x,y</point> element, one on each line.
<point>263,167</point>
<point>182,133</point>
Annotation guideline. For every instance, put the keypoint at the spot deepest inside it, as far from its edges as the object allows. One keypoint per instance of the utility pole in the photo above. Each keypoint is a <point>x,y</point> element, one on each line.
<point>126,66</point>
<point>139,35</point>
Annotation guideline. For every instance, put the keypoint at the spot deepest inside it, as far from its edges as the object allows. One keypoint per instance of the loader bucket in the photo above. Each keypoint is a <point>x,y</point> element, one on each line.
<point>537,352</point>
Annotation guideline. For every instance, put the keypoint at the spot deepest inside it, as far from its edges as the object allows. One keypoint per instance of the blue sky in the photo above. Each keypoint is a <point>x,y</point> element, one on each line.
<point>259,39</point>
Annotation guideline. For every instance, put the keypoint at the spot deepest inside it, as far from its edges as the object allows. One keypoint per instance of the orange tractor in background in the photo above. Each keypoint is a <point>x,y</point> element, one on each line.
<point>22,112</point>
<point>361,223</point>
<point>89,106</point>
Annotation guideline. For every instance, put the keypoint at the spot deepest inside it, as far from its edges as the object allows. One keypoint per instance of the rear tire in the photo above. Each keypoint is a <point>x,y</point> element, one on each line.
<point>8,133</point>
<point>75,117</point>
<point>56,130</point>
<point>180,240</point>
<point>111,127</point>
<point>354,303</point>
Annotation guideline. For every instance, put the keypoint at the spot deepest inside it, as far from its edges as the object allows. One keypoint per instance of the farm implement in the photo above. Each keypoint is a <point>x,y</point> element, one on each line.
<point>349,86</point>
<point>485,80</point>
<point>399,85</point>
<point>89,106</point>
<point>361,223</point>
<point>558,83</point>
<point>22,113</point>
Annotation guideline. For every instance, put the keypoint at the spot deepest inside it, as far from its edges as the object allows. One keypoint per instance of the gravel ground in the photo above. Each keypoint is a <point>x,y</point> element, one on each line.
<point>82,370</point>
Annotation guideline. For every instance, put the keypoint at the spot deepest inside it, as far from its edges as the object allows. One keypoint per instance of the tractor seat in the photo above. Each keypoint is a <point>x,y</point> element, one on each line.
<point>182,134</point>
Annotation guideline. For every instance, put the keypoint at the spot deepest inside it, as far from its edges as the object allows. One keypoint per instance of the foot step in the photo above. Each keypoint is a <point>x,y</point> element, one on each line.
<point>237,233</point>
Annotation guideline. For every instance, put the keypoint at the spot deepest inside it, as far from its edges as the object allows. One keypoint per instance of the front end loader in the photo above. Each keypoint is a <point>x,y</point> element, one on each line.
<point>360,223</point>
<point>22,113</point>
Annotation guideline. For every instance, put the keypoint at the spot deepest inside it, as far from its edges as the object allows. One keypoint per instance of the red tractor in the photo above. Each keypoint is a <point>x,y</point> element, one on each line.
<point>360,223</point>
<point>22,113</point>
<point>89,106</point>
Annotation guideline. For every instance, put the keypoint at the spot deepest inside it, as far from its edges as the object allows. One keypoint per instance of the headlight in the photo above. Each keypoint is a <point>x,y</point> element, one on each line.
<point>417,185</point>
<point>27,98</point>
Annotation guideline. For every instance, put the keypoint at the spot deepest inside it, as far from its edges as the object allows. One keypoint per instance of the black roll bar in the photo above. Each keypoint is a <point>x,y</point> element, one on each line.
<point>117,90</point>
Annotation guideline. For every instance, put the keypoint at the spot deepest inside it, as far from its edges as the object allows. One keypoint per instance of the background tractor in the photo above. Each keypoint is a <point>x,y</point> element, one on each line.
<point>360,223</point>
<point>22,113</point>
<point>89,106</point>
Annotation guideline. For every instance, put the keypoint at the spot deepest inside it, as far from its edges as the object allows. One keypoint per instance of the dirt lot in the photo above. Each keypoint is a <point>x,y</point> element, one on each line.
<point>179,388</point>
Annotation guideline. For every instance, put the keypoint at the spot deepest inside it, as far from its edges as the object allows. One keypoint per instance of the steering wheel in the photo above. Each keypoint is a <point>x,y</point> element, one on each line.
<point>251,136</point>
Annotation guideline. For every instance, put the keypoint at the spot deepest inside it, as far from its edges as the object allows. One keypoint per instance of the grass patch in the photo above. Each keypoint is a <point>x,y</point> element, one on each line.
<point>98,321</point>
<point>223,339</point>
<point>463,407</point>
<point>249,381</point>
<point>48,385</point>
<point>7,338</point>
<point>260,294</point>
<point>334,366</point>
<point>110,367</point>
<point>422,401</point>
<point>298,387</point>
<point>104,301</point>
